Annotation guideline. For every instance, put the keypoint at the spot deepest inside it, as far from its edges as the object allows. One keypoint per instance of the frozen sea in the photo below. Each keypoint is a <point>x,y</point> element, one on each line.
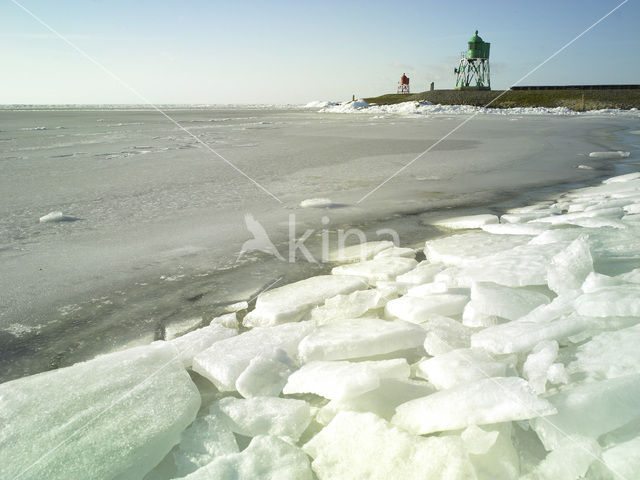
<point>155,220</point>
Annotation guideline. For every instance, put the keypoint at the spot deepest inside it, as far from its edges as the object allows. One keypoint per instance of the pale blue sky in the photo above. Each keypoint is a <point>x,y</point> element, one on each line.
<point>196,51</point>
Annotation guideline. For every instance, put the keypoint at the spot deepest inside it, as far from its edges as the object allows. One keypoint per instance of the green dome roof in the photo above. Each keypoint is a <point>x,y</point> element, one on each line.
<point>475,38</point>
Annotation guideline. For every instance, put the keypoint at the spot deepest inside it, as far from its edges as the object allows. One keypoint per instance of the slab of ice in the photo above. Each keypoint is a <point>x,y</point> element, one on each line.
<point>519,267</point>
<point>423,273</point>
<point>193,343</point>
<point>316,203</point>
<point>292,302</point>
<point>382,401</point>
<point>280,417</point>
<point>340,380</point>
<point>359,338</point>
<point>569,268</point>
<point>460,249</point>
<point>570,218</point>
<point>354,305</point>
<point>224,361</point>
<point>492,452</point>
<point>206,438</point>
<point>229,320</point>
<point>536,367</point>
<point>622,178</point>
<point>570,460</point>
<point>445,334</point>
<point>607,405</point>
<point>616,154</point>
<point>397,252</point>
<point>560,306</point>
<point>177,328</point>
<point>619,301</point>
<point>384,269</point>
<point>505,302</point>
<point>466,222</point>
<point>522,336</point>
<point>622,460</point>
<point>471,317</point>
<point>359,253</point>
<point>361,445</point>
<point>462,366</point>
<point>428,289</point>
<point>523,217</point>
<point>515,228</point>
<point>266,457</point>
<point>266,375</point>
<point>133,404</point>
<point>490,400</point>
<point>417,309</point>
<point>54,217</point>
<point>608,355</point>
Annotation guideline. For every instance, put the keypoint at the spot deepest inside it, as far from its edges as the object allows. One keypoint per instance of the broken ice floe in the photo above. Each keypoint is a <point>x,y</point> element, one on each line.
<point>513,347</point>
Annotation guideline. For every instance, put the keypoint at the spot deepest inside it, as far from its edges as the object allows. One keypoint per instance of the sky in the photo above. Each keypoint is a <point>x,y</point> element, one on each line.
<point>221,52</point>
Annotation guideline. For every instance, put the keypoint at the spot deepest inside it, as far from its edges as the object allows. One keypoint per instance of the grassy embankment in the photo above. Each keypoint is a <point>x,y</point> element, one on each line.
<point>573,99</point>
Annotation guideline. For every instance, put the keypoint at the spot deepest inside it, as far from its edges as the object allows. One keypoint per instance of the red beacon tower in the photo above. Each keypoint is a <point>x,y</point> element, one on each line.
<point>403,84</point>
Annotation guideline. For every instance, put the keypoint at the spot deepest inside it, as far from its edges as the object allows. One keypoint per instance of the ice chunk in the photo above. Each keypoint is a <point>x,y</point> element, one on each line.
<point>622,178</point>
<point>54,217</point>
<point>423,273</point>
<point>115,416</point>
<point>397,252</point>
<point>266,457</point>
<point>590,410</point>
<point>569,268</point>
<point>519,267</point>
<point>266,375</point>
<point>340,380</point>
<point>557,374</point>
<point>560,306</point>
<point>445,334</point>
<point>359,338</point>
<point>378,269</point>
<point>536,367</point>
<point>359,253</point>
<point>477,440</point>
<point>522,336</point>
<point>609,355</point>
<point>361,445</point>
<point>570,460</point>
<point>619,301</point>
<point>505,302</point>
<point>316,203</point>
<point>428,289</point>
<point>354,305</point>
<point>490,400</point>
<point>462,366</point>
<point>177,328</point>
<point>622,460</point>
<point>460,249</point>
<point>224,361</point>
<point>280,417</point>
<point>417,309</point>
<point>515,228</point>
<point>292,302</point>
<point>207,438</point>
<point>523,217</point>
<point>473,318</point>
<point>193,343</point>
<point>617,154</point>
<point>382,401</point>
<point>492,452</point>
<point>466,222</point>
<point>229,320</point>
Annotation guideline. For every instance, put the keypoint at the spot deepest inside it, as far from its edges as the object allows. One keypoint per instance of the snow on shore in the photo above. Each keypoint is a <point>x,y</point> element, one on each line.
<point>427,108</point>
<point>514,349</point>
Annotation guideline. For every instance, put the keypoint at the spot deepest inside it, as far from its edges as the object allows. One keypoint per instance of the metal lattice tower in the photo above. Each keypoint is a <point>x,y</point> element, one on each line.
<point>473,70</point>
